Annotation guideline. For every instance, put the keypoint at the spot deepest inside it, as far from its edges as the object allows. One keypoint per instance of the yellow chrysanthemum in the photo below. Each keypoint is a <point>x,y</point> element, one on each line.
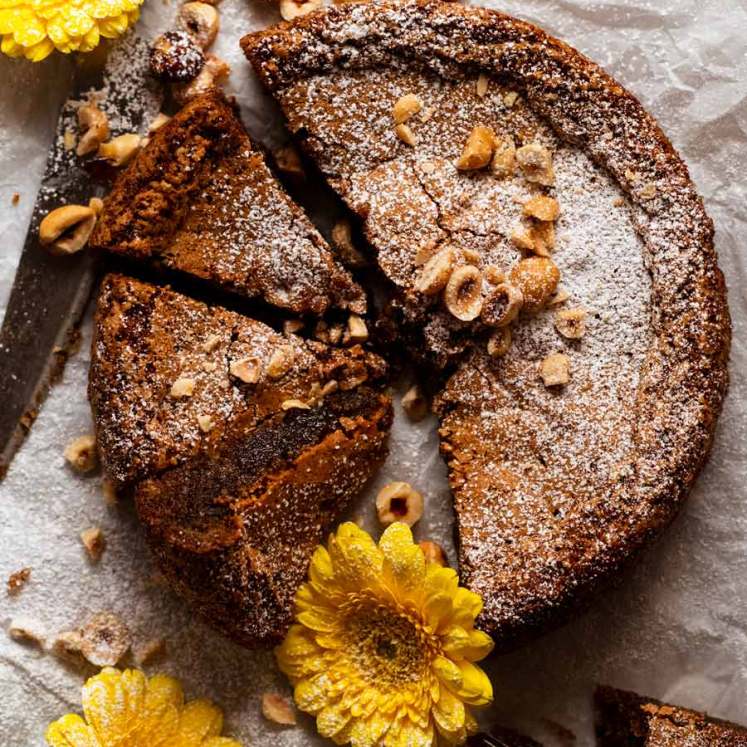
<point>127,709</point>
<point>35,28</point>
<point>384,647</point>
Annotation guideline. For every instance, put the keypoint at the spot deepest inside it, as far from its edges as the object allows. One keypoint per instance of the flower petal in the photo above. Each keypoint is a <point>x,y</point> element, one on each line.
<point>71,731</point>
<point>404,562</point>
<point>467,606</point>
<point>112,702</point>
<point>331,720</point>
<point>355,557</point>
<point>449,712</point>
<point>473,645</point>
<point>448,672</point>
<point>476,688</point>
<point>199,720</point>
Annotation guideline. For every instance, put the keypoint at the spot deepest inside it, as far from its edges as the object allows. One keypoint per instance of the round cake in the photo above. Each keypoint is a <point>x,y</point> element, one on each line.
<point>546,252</point>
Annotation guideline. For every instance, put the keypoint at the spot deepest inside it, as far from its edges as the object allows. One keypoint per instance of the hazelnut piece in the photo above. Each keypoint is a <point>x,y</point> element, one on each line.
<point>120,150</point>
<point>536,164</point>
<point>104,639</point>
<point>478,150</point>
<point>288,161</point>
<point>211,75</point>
<point>542,207</point>
<point>289,9</point>
<point>94,543</point>
<point>247,370</point>
<point>481,87</point>
<point>182,387</point>
<point>503,164</point>
<point>294,404</point>
<point>399,501</point>
<point>17,580</point>
<point>278,709</point>
<point>405,107</point>
<point>555,370</point>
<point>433,552</point>
<point>206,423</point>
<point>81,453</point>
<point>200,21</point>
<point>66,229</point>
<point>280,362</point>
<point>94,125</point>
<point>357,329</point>
<point>175,57</point>
<point>436,273</point>
<point>499,342</point>
<point>160,120</point>
<point>502,305</point>
<point>342,241</point>
<point>415,403</point>
<point>571,323</point>
<point>406,135</point>
<point>463,294</point>
<point>536,278</point>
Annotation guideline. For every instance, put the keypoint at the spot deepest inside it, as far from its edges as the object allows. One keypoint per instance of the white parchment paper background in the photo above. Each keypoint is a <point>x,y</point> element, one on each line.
<point>676,626</point>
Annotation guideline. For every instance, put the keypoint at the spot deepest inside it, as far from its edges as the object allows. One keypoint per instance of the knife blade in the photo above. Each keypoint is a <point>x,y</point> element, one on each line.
<point>50,293</point>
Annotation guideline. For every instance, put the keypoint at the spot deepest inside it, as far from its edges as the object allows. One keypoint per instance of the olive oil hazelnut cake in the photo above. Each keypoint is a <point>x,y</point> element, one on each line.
<point>242,445</point>
<point>200,199</point>
<point>547,252</point>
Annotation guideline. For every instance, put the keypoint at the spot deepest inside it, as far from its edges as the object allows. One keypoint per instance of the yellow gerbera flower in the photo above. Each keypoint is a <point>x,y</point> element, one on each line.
<point>35,28</point>
<point>126,709</point>
<point>384,647</point>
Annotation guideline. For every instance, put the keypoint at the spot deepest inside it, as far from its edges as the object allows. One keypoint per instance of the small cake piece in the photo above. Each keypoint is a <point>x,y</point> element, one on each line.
<point>233,512</point>
<point>201,200</point>
<point>624,719</point>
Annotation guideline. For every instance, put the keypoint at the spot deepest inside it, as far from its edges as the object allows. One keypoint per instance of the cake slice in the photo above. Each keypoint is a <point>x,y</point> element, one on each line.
<point>200,199</point>
<point>624,719</point>
<point>242,446</point>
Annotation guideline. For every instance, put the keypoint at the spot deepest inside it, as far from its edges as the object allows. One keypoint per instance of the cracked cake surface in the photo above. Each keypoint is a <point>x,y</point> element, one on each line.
<point>242,445</point>
<point>200,199</point>
<point>562,472</point>
<point>624,719</point>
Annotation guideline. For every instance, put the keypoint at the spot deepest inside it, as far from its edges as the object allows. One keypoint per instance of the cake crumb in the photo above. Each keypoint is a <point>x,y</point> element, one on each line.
<point>94,543</point>
<point>81,453</point>
<point>15,199</point>
<point>17,580</point>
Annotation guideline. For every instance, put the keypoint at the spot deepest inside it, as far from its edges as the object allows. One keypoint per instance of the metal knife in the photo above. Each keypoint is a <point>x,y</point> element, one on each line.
<point>50,293</point>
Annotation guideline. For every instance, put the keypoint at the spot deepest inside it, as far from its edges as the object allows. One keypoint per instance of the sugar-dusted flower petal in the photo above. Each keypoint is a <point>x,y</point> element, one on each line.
<point>404,562</point>
<point>71,731</point>
<point>125,709</point>
<point>472,645</point>
<point>449,712</point>
<point>355,557</point>
<point>475,688</point>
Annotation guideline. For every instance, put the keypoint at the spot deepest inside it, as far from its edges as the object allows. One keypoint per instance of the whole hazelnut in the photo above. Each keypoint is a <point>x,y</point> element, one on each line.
<point>175,57</point>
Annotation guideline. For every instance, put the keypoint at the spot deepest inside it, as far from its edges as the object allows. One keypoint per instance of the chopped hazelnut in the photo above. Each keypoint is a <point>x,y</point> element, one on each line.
<point>206,423</point>
<point>280,362</point>
<point>295,404</point>
<point>183,387</point>
<point>503,164</point>
<point>105,639</point>
<point>213,74</point>
<point>93,540</point>
<point>406,135</point>
<point>160,120</point>
<point>415,403</point>
<point>536,278</point>
<point>555,369</point>
<point>247,370</point>
<point>342,241</point>
<point>405,107</point>
<point>357,329</point>
<point>536,164</point>
<point>399,501</point>
<point>94,127</point>
<point>211,343</point>
<point>17,580</point>
<point>647,192</point>
<point>289,163</point>
<point>509,98</point>
<point>97,205</point>
<point>499,342</point>
<point>25,630</point>
<point>463,293</point>
<point>289,9</point>
<point>502,305</point>
<point>542,207</point>
<point>335,333</point>
<point>478,150</point>
<point>81,453</point>
<point>571,323</point>
<point>67,644</point>
<point>494,275</point>
<point>68,140</point>
<point>278,709</point>
<point>433,552</point>
<point>481,87</point>
<point>436,273</point>
<point>66,230</point>
<point>119,151</point>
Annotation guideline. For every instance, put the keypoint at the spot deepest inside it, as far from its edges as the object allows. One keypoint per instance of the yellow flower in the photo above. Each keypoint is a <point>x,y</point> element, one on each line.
<point>35,28</point>
<point>384,647</point>
<point>127,709</point>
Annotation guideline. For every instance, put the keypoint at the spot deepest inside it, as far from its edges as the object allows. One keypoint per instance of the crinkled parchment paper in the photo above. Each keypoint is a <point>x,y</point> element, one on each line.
<point>675,627</point>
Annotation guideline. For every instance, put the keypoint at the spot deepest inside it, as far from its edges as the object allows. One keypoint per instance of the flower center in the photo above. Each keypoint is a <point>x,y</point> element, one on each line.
<point>387,645</point>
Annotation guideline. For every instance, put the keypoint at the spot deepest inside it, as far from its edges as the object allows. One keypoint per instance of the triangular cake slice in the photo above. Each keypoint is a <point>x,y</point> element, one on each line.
<point>624,719</point>
<point>574,435</point>
<point>200,199</point>
<point>242,445</point>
